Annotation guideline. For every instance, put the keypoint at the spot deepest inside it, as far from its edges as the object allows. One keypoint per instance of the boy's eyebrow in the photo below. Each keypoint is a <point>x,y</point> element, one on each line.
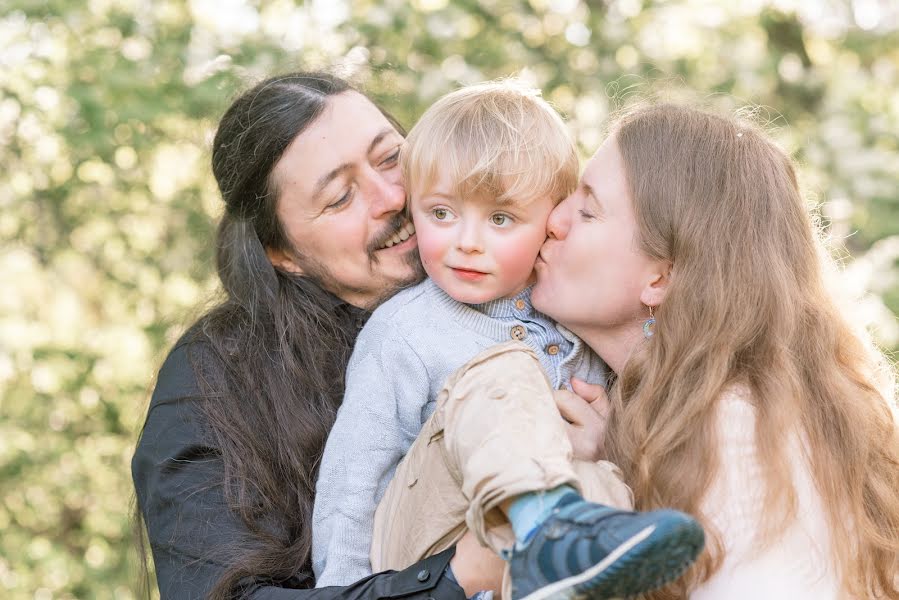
<point>441,194</point>
<point>507,201</point>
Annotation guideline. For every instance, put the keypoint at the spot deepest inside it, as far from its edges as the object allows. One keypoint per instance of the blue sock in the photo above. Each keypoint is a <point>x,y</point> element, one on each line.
<point>528,511</point>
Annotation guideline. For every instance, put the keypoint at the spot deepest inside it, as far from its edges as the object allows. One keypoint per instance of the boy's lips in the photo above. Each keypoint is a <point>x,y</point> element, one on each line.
<point>468,274</point>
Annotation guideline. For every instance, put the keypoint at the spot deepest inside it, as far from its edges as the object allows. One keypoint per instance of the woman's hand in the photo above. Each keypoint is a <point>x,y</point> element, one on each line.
<point>585,412</point>
<point>477,568</point>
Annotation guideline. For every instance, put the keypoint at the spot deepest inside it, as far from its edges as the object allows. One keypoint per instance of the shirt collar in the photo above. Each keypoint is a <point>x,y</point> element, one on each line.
<point>358,315</point>
<point>513,307</point>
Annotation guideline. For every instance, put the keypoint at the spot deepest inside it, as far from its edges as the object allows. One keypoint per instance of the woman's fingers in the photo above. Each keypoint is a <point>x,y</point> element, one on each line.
<point>573,408</point>
<point>594,394</point>
<point>584,425</point>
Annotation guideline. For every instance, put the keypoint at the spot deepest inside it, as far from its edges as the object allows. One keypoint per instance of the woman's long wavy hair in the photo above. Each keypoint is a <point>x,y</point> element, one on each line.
<point>748,303</point>
<point>271,356</point>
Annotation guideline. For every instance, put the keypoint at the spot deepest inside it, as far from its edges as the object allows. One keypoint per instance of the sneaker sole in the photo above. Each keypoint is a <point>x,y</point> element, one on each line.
<point>648,560</point>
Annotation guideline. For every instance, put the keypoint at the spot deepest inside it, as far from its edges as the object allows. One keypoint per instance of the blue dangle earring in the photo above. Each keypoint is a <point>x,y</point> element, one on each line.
<point>649,324</point>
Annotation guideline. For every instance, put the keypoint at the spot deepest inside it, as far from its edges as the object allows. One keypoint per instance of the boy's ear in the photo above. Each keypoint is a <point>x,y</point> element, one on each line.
<point>653,293</point>
<point>281,260</point>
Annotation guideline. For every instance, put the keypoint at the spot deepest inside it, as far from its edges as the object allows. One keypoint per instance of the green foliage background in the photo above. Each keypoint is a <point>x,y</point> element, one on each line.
<point>107,205</point>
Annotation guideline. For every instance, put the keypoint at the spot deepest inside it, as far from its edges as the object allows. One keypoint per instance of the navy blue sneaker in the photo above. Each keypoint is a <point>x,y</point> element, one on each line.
<point>587,550</point>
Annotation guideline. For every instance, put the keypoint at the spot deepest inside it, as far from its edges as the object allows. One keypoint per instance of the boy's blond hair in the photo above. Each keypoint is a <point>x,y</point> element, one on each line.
<point>498,139</point>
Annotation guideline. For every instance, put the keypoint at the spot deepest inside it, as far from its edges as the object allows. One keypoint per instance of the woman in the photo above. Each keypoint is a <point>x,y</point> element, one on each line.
<point>743,396</point>
<point>225,468</point>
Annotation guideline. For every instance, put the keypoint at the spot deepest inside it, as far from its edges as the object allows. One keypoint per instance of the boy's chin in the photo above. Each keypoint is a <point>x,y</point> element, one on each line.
<point>469,296</point>
<point>480,296</point>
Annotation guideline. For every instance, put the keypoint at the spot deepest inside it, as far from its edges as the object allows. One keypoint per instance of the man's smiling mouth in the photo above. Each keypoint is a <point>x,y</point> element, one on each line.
<point>401,235</point>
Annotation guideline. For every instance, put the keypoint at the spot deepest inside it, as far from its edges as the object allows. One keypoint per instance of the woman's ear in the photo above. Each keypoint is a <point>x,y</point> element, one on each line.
<point>281,260</point>
<point>653,293</point>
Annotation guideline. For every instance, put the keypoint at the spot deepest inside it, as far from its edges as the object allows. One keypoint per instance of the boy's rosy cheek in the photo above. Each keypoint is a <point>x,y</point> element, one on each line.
<point>519,260</point>
<point>429,245</point>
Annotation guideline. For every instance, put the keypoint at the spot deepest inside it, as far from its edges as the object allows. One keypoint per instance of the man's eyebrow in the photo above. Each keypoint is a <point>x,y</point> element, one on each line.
<point>328,177</point>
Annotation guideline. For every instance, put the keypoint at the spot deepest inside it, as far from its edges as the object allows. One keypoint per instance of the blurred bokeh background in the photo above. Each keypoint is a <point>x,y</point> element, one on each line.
<point>107,205</point>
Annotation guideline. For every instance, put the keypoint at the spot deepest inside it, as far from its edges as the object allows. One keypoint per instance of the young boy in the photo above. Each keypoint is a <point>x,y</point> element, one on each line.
<point>484,166</point>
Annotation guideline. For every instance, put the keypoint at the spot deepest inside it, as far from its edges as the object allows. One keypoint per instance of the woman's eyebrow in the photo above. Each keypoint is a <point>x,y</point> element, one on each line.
<point>379,138</point>
<point>591,194</point>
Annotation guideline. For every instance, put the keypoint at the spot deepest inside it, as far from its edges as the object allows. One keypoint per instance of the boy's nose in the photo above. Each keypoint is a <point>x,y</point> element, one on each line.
<point>469,239</point>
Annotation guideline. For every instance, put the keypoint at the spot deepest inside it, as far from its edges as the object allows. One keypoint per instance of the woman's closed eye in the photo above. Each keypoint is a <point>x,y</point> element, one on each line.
<point>586,215</point>
<point>391,160</point>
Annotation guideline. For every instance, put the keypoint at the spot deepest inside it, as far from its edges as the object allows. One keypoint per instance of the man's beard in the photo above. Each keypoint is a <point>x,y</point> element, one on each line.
<point>319,272</point>
<point>411,258</point>
<point>418,274</point>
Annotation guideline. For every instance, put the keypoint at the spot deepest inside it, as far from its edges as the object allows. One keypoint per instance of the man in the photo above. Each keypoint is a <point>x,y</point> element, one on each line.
<point>312,236</point>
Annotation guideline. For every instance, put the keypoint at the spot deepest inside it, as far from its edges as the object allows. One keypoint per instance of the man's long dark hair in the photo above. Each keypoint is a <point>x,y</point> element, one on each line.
<point>275,349</point>
<point>282,344</point>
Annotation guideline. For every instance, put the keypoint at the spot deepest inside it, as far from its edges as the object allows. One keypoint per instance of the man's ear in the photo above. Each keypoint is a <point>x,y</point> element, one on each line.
<point>281,260</point>
<point>653,293</point>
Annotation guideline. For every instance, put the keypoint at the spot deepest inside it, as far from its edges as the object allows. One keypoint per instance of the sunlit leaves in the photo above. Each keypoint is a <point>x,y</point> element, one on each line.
<point>107,205</point>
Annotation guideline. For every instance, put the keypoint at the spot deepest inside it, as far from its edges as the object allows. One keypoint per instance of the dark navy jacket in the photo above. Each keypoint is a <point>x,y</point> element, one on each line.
<point>177,474</point>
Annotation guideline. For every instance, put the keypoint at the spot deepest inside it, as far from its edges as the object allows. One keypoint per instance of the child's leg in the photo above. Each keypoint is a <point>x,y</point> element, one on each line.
<point>603,482</point>
<point>423,509</point>
<point>502,415</point>
<point>506,440</point>
<point>497,436</point>
<point>504,436</point>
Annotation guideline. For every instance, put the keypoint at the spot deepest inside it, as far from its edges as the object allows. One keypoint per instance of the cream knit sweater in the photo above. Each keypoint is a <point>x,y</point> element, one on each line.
<point>799,564</point>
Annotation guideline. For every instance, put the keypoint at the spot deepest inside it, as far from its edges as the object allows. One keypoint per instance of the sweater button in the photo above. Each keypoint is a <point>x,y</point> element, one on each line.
<point>423,575</point>
<point>519,304</point>
<point>518,332</point>
<point>552,349</point>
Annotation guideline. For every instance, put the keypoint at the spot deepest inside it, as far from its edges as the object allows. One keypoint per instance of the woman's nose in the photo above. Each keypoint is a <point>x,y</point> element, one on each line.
<point>559,220</point>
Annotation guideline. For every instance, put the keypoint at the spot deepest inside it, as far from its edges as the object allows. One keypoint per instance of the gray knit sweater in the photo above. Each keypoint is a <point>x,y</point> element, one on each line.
<point>402,357</point>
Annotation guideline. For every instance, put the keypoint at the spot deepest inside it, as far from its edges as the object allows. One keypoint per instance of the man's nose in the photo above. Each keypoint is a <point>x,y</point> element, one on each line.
<point>387,196</point>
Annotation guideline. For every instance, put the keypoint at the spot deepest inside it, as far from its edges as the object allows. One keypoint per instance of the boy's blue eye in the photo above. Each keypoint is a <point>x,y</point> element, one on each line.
<point>499,219</point>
